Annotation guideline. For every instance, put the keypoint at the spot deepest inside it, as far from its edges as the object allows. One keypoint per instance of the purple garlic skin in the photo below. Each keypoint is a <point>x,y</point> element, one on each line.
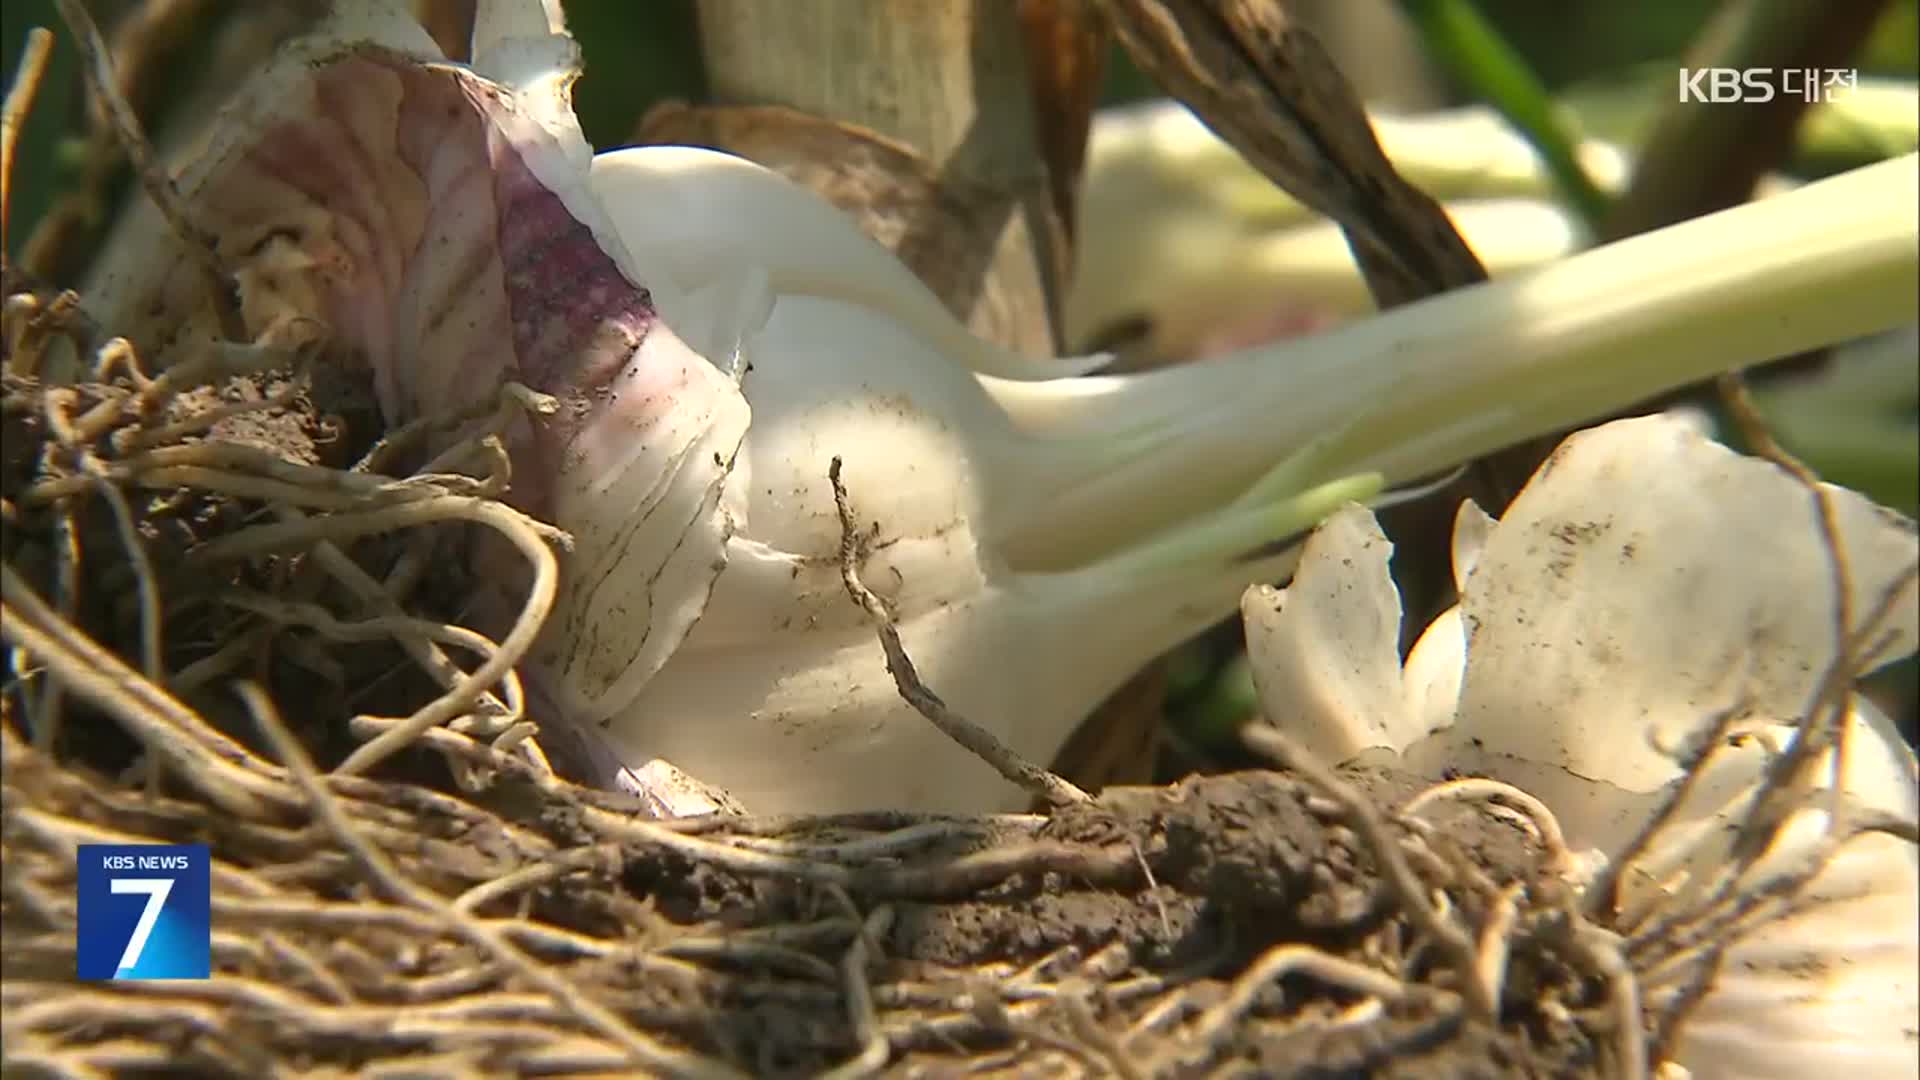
<point>392,206</point>
<point>422,223</point>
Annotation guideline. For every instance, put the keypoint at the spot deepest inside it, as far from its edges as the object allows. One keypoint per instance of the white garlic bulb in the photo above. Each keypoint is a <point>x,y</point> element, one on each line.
<point>1645,578</point>
<point>714,336</point>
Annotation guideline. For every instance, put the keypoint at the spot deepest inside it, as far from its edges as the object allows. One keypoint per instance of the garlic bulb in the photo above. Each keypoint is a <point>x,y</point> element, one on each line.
<point>780,695</point>
<point>1644,579</point>
<point>715,336</point>
<point>432,222</point>
<point>1036,540</point>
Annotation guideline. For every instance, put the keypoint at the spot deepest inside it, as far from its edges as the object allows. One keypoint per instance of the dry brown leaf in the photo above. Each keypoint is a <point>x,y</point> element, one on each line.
<point>1269,89</point>
<point>1066,59</point>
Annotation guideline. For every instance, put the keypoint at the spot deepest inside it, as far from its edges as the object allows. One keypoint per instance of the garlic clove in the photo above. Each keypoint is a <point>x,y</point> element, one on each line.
<point>1471,528</point>
<point>647,486</point>
<point>1434,668</point>
<point>1328,644</point>
<point>1827,992</point>
<point>1833,984</point>
<point>1577,599</point>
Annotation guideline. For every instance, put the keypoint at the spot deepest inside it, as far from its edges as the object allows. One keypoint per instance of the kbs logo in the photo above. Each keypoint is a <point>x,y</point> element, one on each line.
<point>1761,85</point>
<point>145,912</point>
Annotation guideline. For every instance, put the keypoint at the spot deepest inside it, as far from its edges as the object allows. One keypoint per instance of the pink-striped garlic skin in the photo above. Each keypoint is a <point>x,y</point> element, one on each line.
<point>422,223</point>
<point>389,203</point>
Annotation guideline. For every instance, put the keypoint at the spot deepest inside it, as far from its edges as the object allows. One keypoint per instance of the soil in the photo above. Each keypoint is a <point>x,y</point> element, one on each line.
<point>1239,865</point>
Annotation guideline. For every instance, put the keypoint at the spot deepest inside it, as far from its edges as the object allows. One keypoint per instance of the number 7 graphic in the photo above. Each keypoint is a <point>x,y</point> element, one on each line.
<point>168,937</point>
<point>156,890</point>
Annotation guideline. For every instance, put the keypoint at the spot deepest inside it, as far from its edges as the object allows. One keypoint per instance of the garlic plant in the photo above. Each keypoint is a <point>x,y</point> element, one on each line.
<point>1645,579</point>
<point>714,336</point>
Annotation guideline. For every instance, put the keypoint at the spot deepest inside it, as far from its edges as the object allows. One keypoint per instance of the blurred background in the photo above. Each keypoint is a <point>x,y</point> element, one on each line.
<point>1611,60</point>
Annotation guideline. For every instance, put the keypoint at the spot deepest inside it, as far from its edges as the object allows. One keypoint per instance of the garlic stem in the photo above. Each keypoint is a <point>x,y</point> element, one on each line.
<point>1233,533</point>
<point>1433,384</point>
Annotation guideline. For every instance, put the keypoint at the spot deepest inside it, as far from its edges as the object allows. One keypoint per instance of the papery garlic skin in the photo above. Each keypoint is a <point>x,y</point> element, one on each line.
<point>1645,578</point>
<point>433,224</point>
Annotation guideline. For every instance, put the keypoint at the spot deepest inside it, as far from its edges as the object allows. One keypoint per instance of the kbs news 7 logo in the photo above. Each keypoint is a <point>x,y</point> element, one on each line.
<point>145,911</point>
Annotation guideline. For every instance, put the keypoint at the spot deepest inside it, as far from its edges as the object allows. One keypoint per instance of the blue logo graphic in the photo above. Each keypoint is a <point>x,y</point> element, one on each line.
<point>145,911</point>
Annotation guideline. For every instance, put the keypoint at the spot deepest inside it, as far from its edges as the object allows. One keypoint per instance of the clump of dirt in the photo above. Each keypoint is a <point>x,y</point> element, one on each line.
<point>182,467</point>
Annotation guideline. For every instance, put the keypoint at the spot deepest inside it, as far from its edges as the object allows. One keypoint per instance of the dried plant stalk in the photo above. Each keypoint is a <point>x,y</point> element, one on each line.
<point>948,80</point>
<point>1269,89</point>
